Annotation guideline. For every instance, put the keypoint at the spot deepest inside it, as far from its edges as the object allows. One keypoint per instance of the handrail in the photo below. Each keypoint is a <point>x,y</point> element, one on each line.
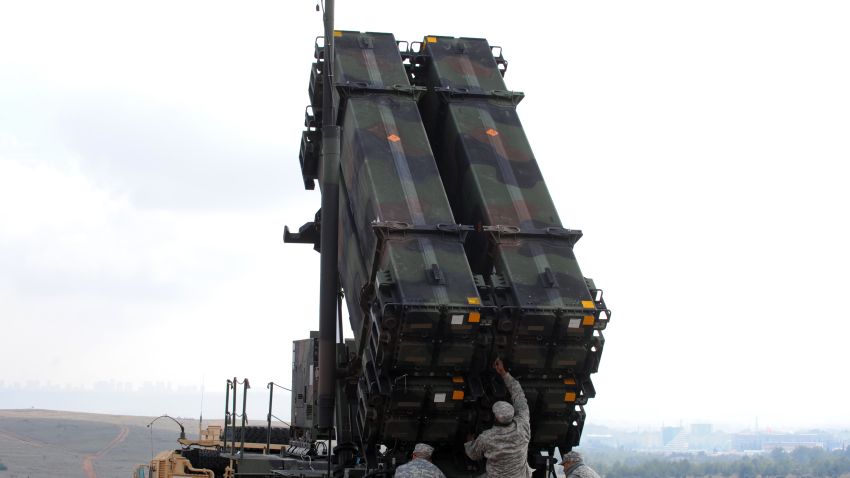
<point>182,430</point>
<point>271,386</point>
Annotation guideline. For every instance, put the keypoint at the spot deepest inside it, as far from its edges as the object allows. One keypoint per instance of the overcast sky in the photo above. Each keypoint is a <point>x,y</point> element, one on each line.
<point>149,161</point>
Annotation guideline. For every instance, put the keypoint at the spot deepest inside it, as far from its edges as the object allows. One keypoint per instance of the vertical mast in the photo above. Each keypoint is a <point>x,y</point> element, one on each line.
<point>329,282</point>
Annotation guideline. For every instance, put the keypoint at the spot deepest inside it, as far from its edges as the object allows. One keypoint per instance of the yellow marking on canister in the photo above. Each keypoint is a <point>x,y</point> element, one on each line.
<point>588,304</point>
<point>474,317</point>
<point>569,381</point>
<point>588,320</point>
<point>473,301</point>
<point>457,379</point>
<point>457,395</point>
<point>337,33</point>
<point>430,39</point>
<point>570,397</point>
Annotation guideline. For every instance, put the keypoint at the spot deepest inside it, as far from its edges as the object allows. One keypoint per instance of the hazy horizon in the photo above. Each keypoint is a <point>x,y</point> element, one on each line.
<point>190,402</point>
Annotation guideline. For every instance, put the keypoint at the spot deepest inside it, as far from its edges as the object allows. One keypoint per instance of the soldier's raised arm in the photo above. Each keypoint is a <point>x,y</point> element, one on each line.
<point>517,394</point>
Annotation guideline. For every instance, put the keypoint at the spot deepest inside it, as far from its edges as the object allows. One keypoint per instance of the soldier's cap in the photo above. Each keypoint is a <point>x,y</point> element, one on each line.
<point>571,457</point>
<point>423,449</point>
<point>503,412</point>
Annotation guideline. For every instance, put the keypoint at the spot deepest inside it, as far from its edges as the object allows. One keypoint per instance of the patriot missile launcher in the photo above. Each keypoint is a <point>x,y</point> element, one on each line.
<point>438,230</point>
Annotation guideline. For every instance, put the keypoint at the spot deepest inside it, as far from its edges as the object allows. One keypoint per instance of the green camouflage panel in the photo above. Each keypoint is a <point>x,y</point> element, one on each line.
<point>368,59</point>
<point>424,409</point>
<point>428,269</point>
<point>542,273</point>
<point>353,271</point>
<point>391,181</point>
<point>493,177</point>
<point>424,315</point>
<point>426,306</point>
<point>388,166</point>
<point>463,64</point>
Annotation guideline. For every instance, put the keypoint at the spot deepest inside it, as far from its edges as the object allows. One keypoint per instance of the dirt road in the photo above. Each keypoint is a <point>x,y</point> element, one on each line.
<point>88,460</point>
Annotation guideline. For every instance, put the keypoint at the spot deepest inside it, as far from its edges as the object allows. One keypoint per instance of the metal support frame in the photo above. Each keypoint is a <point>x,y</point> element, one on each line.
<point>233,419</point>
<point>329,283</point>
<point>227,411</point>
<point>245,388</point>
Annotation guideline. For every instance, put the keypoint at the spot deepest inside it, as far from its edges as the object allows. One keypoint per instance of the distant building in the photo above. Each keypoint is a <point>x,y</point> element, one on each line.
<point>669,433</point>
<point>701,429</point>
<point>767,441</point>
<point>674,438</point>
<point>599,440</point>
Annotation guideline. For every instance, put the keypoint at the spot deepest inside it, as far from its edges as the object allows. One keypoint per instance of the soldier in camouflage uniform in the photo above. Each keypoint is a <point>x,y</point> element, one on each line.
<point>574,466</point>
<point>505,445</point>
<point>420,466</point>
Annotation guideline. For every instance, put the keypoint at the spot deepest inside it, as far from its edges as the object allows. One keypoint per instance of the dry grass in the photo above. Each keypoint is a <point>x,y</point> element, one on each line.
<point>46,443</point>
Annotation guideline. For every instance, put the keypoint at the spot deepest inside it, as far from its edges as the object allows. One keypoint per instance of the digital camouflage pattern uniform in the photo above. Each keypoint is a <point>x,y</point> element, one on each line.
<point>506,446</point>
<point>418,468</point>
<point>580,470</point>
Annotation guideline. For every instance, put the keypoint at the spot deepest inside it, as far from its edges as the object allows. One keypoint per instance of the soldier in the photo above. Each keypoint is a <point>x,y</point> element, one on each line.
<point>574,466</point>
<point>420,466</point>
<point>505,445</point>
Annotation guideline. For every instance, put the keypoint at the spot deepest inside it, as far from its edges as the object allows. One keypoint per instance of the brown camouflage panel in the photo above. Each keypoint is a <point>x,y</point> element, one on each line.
<point>463,64</point>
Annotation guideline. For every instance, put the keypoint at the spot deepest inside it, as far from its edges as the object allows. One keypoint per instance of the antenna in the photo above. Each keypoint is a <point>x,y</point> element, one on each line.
<point>201,420</point>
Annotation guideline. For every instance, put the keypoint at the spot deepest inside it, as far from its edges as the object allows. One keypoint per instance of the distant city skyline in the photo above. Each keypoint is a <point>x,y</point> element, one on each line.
<point>155,398</point>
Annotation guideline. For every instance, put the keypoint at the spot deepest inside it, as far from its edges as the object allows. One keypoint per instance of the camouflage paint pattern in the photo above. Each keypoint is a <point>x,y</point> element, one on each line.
<point>580,471</point>
<point>410,259</point>
<point>496,178</point>
<point>392,202</point>
<point>369,59</point>
<point>546,327</point>
<point>428,336</point>
<point>418,468</point>
<point>352,270</point>
<point>542,273</point>
<point>390,176</point>
<point>492,178</point>
<point>388,167</point>
<point>463,64</point>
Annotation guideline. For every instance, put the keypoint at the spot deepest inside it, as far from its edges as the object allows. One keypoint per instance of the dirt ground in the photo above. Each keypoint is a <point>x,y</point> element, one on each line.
<point>49,443</point>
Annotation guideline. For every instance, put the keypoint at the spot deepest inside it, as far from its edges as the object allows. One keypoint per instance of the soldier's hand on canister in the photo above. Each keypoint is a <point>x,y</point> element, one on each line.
<point>500,367</point>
